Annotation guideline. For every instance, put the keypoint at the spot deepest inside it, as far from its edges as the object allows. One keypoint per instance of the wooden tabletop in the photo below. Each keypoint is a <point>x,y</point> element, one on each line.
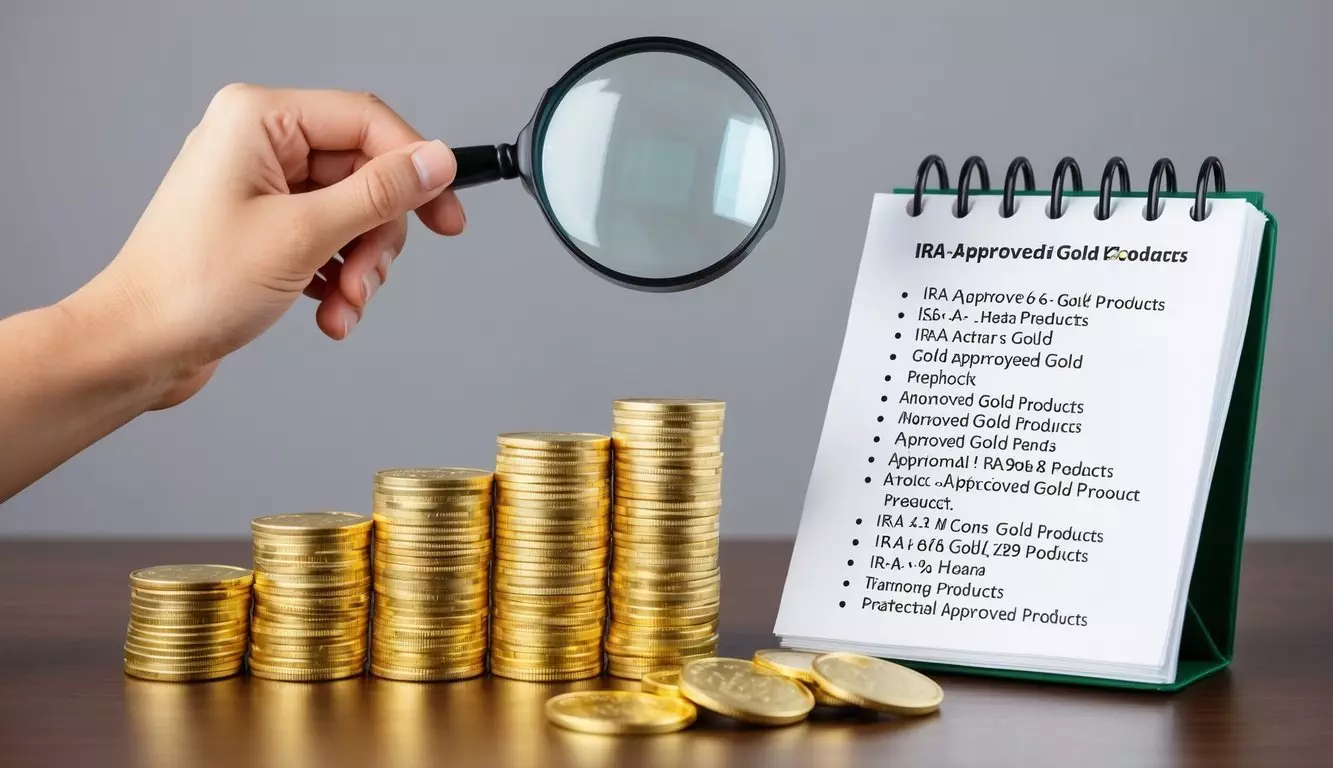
<point>64,700</point>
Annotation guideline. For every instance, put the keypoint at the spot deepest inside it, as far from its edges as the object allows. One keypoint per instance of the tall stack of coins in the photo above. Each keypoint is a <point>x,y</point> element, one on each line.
<point>432,573</point>
<point>312,596</point>
<point>188,622</point>
<point>551,530</point>
<point>665,581</point>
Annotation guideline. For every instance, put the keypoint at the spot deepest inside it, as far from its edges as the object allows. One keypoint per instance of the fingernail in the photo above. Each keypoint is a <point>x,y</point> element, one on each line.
<point>386,260</point>
<point>370,282</point>
<point>349,320</point>
<point>434,163</point>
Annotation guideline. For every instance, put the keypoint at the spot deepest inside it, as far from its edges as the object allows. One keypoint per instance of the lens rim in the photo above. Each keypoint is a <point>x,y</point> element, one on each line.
<point>657,44</point>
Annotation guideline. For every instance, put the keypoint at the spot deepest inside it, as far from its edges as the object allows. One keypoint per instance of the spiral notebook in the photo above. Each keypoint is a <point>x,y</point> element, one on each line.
<point>1035,457</point>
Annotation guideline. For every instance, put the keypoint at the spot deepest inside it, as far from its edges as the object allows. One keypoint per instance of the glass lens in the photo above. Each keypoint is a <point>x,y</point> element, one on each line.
<point>656,165</point>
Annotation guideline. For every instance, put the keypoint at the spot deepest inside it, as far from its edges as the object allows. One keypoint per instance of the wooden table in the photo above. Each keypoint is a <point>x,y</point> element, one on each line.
<point>65,702</point>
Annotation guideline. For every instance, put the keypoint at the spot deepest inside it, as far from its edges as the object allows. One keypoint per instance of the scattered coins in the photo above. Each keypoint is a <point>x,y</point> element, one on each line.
<point>311,596</point>
<point>664,682</point>
<point>620,712</point>
<point>665,580</point>
<point>739,689</point>
<point>431,573</point>
<point>876,684</point>
<point>188,622</point>
<point>553,498</point>
<point>797,666</point>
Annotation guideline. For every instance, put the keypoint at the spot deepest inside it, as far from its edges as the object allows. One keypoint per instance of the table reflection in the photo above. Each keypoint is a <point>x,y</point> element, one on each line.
<point>368,721</point>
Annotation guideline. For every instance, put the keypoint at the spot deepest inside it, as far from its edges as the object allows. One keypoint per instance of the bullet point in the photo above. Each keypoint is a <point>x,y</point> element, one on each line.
<point>904,294</point>
<point>858,521</point>
<point>872,459</point>
<point>849,562</point>
<point>900,315</point>
<point>846,583</point>
<point>893,357</point>
<point>877,438</point>
<point>884,398</point>
<point>867,479</point>
<point>897,335</point>
<point>856,542</point>
<point>842,603</point>
<point>888,378</point>
<point>881,418</point>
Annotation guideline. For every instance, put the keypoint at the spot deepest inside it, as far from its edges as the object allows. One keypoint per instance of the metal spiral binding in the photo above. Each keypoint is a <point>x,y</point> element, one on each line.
<point>1116,170</point>
<point>965,183</point>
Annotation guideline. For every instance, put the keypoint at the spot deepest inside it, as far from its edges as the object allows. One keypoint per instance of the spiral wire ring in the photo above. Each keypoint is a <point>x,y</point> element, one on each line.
<point>922,172</point>
<point>1162,167</point>
<point>1011,179</point>
<point>1211,167</point>
<point>1116,165</point>
<point>965,181</point>
<point>1066,165</point>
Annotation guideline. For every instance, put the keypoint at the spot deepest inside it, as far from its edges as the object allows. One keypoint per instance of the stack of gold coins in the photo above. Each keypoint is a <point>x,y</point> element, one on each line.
<point>665,580</point>
<point>188,622</point>
<point>553,501</point>
<point>432,573</point>
<point>312,596</point>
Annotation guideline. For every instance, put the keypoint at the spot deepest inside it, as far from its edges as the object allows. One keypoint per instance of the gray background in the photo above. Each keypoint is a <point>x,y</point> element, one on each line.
<point>500,330</point>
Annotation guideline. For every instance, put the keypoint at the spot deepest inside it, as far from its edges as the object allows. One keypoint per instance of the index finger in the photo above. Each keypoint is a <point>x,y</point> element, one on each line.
<point>343,120</point>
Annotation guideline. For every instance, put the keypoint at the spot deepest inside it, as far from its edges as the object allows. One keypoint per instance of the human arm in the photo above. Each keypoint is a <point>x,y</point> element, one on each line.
<point>275,194</point>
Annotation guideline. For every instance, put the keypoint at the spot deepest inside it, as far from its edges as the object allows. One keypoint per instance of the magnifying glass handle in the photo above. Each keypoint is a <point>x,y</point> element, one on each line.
<point>483,164</point>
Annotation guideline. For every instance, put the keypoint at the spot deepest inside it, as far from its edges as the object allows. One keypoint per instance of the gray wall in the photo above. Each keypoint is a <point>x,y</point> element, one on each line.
<point>500,330</point>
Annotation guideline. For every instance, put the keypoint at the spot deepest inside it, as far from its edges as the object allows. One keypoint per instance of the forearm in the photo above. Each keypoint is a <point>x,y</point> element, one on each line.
<point>69,376</point>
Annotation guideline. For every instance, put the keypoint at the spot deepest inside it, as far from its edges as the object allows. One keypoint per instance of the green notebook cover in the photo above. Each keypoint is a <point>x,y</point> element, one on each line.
<point>1208,637</point>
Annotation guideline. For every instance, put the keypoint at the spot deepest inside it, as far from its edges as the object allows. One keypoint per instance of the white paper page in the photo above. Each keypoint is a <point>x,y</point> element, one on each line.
<point>1121,396</point>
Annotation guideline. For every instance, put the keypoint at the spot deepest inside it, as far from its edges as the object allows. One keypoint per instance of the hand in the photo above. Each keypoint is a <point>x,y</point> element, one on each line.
<point>267,191</point>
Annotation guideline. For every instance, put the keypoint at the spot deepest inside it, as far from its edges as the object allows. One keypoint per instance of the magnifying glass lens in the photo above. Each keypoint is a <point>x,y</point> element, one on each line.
<point>655,165</point>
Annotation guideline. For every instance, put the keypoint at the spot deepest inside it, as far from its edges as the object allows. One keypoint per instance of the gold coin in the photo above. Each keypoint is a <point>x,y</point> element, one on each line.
<point>434,477</point>
<point>191,577</point>
<point>664,682</point>
<point>619,712</point>
<point>876,684</point>
<point>540,675</point>
<point>630,668</point>
<point>311,523</point>
<point>556,440</point>
<point>445,673</point>
<point>305,673</point>
<point>825,699</point>
<point>660,404</point>
<point>793,664</point>
<point>737,688</point>
<point>183,677</point>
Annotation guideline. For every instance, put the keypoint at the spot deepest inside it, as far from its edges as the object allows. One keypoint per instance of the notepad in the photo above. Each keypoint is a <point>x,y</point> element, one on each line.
<point>1022,432</point>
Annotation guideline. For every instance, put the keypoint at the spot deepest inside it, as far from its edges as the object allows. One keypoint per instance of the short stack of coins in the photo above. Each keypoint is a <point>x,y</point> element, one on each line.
<point>432,573</point>
<point>552,510</point>
<point>188,622</point>
<point>665,580</point>
<point>312,596</point>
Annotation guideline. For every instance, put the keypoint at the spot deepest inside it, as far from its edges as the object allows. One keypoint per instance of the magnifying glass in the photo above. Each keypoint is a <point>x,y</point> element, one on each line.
<point>657,162</point>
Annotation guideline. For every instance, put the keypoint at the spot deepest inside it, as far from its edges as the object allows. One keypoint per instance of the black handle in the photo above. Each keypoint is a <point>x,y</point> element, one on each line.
<point>483,164</point>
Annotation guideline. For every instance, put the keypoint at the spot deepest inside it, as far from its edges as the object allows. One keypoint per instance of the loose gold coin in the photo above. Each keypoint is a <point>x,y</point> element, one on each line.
<point>876,684</point>
<point>737,688</point>
<point>793,664</point>
<point>619,712</point>
<point>825,699</point>
<point>662,683</point>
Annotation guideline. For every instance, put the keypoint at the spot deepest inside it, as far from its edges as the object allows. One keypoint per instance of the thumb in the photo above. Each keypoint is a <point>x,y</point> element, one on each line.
<point>385,188</point>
